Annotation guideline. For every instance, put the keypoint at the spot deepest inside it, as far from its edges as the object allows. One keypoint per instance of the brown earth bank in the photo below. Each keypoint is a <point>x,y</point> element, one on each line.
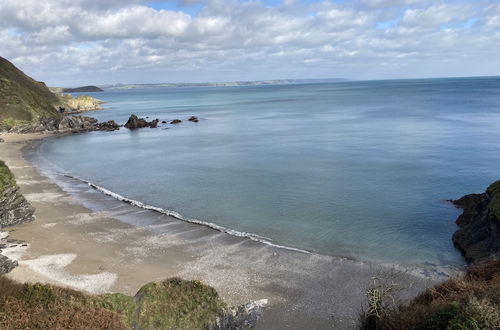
<point>98,251</point>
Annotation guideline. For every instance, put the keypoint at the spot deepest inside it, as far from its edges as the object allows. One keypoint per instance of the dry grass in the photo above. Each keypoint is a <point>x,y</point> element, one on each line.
<point>470,302</point>
<point>37,306</point>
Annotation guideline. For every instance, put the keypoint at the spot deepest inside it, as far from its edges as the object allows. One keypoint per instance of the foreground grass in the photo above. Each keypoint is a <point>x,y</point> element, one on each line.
<point>170,304</point>
<point>468,303</point>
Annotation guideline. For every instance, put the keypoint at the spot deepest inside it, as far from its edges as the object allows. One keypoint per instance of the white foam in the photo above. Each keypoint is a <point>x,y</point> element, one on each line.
<point>178,216</point>
<point>52,267</point>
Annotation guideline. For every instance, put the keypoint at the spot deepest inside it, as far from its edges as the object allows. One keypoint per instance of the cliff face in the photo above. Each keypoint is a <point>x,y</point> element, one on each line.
<point>479,235</point>
<point>22,98</point>
<point>14,208</point>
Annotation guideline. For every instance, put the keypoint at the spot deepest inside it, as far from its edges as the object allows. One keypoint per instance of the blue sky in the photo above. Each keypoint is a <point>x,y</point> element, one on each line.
<point>79,42</point>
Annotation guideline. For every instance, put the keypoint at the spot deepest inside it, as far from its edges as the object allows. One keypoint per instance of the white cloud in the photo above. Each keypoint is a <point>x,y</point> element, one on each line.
<point>111,40</point>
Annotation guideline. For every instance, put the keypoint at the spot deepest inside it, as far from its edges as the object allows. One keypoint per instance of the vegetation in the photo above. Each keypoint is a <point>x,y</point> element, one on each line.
<point>7,179</point>
<point>494,205</point>
<point>171,304</point>
<point>22,98</point>
<point>177,304</point>
<point>468,303</point>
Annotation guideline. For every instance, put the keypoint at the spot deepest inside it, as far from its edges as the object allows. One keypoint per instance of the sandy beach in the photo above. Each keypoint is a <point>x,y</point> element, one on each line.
<point>86,240</point>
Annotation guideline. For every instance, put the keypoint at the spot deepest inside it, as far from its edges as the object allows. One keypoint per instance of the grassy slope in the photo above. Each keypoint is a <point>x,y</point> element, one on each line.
<point>468,303</point>
<point>21,97</point>
<point>171,304</point>
<point>7,179</point>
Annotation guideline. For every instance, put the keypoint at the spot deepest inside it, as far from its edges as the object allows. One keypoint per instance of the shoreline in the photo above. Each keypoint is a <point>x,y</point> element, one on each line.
<point>71,243</point>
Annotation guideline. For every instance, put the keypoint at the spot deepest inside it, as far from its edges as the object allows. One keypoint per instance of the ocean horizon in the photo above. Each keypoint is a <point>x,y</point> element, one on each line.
<point>359,168</point>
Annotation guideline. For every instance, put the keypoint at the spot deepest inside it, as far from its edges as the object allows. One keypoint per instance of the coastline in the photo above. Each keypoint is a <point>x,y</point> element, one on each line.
<point>97,250</point>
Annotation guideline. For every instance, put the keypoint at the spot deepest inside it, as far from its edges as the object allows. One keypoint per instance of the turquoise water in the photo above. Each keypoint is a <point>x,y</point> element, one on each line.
<point>361,169</point>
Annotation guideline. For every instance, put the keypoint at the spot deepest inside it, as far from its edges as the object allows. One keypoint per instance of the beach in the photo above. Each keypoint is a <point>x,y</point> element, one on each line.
<point>99,244</point>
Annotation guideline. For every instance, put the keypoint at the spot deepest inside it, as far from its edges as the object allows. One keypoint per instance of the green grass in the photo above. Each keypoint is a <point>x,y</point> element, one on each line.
<point>177,304</point>
<point>7,179</point>
<point>22,98</point>
<point>170,304</point>
<point>494,205</point>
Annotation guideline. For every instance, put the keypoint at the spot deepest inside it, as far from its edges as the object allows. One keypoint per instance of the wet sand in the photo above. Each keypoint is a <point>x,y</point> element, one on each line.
<point>86,240</point>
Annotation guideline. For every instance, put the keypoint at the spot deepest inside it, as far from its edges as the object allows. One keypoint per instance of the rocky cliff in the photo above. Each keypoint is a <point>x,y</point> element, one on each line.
<point>479,235</point>
<point>14,208</point>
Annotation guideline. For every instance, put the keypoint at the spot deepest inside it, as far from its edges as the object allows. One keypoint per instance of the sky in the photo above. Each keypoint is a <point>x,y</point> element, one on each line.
<point>79,42</point>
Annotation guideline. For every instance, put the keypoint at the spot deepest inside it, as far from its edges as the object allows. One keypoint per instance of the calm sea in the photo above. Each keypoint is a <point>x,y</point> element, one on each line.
<point>356,168</point>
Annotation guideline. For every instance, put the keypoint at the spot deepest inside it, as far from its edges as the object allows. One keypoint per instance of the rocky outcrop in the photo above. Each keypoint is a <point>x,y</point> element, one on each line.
<point>136,122</point>
<point>194,119</point>
<point>240,317</point>
<point>176,121</point>
<point>82,103</point>
<point>14,208</point>
<point>479,235</point>
<point>64,125</point>
<point>6,265</point>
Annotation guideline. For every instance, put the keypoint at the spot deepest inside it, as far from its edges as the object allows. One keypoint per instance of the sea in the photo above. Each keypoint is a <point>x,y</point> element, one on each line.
<point>362,169</point>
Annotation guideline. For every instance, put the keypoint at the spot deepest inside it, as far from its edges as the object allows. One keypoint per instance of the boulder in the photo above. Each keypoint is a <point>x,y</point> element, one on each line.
<point>163,122</point>
<point>193,119</point>
<point>176,121</point>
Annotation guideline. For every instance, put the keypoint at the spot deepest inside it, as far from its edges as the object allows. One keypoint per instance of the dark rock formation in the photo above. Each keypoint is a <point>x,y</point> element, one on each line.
<point>6,265</point>
<point>136,122</point>
<point>176,121</point>
<point>83,89</point>
<point>193,119</point>
<point>154,123</point>
<point>240,317</point>
<point>163,122</point>
<point>64,125</point>
<point>14,208</point>
<point>479,235</point>
<point>109,125</point>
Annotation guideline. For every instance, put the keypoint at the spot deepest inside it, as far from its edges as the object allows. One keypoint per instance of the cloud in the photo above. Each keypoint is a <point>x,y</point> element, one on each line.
<point>64,41</point>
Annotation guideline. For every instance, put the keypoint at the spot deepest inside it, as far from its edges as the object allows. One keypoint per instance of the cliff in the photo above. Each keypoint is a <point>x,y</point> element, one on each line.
<point>479,234</point>
<point>22,98</point>
<point>14,208</point>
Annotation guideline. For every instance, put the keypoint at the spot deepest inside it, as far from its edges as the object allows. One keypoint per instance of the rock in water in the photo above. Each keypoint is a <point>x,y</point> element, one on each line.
<point>193,119</point>
<point>154,123</point>
<point>136,122</point>
<point>479,235</point>
<point>176,121</point>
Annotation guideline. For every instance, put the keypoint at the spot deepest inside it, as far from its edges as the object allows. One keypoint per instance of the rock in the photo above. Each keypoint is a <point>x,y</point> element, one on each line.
<point>176,121</point>
<point>240,317</point>
<point>193,119</point>
<point>163,122</point>
<point>110,125</point>
<point>478,237</point>
<point>136,122</point>
<point>14,208</point>
<point>6,265</point>
<point>154,123</point>
<point>65,125</point>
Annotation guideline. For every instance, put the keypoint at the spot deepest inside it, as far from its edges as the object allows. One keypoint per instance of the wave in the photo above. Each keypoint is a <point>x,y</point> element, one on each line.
<point>178,216</point>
